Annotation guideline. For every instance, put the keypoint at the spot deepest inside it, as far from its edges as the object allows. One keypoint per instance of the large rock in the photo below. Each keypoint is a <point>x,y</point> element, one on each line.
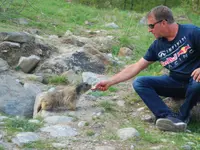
<point>175,103</point>
<point>81,61</point>
<point>14,98</point>
<point>27,64</point>
<point>18,37</point>
<point>101,43</point>
<point>6,45</point>
<point>75,40</point>
<point>13,45</point>
<point>93,78</point>
<point>3,65</point>
<point>88,48</point>
<point>72,77</point>
<point>104,44</point>
<point>78,61</point>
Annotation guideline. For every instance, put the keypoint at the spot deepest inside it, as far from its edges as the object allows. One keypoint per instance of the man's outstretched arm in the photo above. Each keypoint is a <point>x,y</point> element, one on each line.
<point>126,74</point>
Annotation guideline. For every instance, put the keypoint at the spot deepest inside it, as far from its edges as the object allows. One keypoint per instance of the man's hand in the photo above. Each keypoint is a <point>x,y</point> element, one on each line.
<point>196,75</point>
<point>101,86</point>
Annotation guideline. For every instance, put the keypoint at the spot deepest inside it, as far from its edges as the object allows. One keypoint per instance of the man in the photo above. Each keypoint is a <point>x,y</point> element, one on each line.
<point>177,48</point>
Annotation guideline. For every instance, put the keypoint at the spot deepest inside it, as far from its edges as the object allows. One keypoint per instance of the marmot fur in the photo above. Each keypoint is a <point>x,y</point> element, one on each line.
<point>66,97</point>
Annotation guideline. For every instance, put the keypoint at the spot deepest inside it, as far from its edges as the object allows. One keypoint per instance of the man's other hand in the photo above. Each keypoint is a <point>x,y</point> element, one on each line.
<point>196,75</point>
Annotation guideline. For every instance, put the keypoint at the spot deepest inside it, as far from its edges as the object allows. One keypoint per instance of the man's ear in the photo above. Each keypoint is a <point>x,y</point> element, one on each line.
<point>164,22</point>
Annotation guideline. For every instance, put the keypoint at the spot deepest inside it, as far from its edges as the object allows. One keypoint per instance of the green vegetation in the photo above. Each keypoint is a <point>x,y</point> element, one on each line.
<point>170,140</point>
<point>103,93</point>
<point>21,125</point>
<point>58,16</point>
<point>32,78</point>
<point>1,147</point>
<point>90,133</point>
<point>110,135</point>
<point>57,80</point>
<point>113,89</point>
<point>136,5</point>
<point>61,16</point>
<point>99,93</point>
<point>194,127</point>
<point>87,124</point>
<point>107,105</point>
<point>115,50</point>
<point>131,99</point>
<point>40,145</point>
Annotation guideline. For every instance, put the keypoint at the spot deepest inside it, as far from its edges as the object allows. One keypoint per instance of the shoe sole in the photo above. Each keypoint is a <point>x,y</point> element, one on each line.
<point>167,125</point>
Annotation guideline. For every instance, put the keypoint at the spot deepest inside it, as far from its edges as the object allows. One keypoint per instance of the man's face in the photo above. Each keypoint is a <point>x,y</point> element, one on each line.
<point>155,26</point>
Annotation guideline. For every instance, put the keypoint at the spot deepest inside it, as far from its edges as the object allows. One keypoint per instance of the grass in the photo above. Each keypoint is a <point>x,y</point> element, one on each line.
<point>149,135</point>
<point>107,105</point>
<point>39,145</point>
<point>60,16</point>
<point>87,124</point>
<point>131,99</point>
<point>74,118</point>
<point>104,93</point>
<point>1,147</point>
<point>194,127</point>
<point>154,137</point>
<point>57,79</point>
<point>112,89</point>
<point>99,93</point>
<point>20,125</point>
<point>90,133</point>
<point>115,50</point>
<point>111,136</point>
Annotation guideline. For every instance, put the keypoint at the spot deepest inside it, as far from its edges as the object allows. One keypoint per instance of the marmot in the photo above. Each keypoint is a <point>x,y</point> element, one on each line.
<point>66,97</point>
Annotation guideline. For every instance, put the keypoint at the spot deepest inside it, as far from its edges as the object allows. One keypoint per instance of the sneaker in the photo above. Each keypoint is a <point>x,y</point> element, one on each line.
<point>171,124</point>
<point>187,120</point>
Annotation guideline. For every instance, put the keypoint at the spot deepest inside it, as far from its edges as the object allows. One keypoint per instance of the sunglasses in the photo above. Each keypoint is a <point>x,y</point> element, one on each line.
<point>151,26</point>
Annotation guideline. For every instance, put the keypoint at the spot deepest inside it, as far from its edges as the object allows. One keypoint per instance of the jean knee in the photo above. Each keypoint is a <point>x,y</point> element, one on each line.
<point>195,88</point>
<point>138,83</point>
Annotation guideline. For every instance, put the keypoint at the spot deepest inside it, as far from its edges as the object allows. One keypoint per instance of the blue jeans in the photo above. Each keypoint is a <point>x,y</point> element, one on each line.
<point>149,88</point>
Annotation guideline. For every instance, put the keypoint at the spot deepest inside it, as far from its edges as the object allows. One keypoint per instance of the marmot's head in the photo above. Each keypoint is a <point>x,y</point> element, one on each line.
<point>82,88</point>
<point>46,104</point>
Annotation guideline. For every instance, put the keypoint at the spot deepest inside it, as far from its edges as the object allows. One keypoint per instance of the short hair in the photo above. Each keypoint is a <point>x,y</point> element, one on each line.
<point>161,13</point>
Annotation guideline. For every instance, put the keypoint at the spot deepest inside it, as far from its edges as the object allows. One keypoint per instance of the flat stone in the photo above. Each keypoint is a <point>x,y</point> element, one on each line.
<point>3,118</point>
<point>25,137</point>
<point>121,103</point>
<point>59,145</point>
<point>127,133</point>
<point>81,124</point>
<point>58,119</point>
<point>60,131</point>
<point>104,148</point>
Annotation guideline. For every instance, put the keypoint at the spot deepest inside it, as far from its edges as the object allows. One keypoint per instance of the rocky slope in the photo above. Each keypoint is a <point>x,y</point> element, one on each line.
<point>113,120</point>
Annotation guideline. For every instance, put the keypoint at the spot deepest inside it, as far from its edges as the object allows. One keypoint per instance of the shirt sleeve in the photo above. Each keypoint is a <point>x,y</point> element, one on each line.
<point>151,54</point>
<point>196,38</point>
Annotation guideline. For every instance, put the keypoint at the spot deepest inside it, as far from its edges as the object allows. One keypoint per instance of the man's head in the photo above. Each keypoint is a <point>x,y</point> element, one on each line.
<point>159,18</point>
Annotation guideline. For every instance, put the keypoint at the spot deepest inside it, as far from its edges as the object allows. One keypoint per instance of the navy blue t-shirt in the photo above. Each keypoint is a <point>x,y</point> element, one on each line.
<point>181,55</point>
